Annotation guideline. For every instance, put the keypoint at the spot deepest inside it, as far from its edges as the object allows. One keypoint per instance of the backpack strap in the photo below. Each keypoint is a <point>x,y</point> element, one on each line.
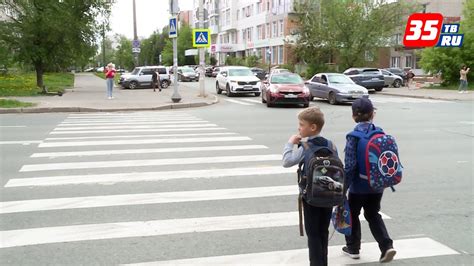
<point>300,213</point>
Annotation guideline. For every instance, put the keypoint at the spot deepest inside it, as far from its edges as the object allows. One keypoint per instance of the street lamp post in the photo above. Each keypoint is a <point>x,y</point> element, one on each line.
<point>174,10</point>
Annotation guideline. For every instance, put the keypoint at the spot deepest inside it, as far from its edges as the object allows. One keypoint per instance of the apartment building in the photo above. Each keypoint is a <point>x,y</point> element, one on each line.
<point>250,27</point>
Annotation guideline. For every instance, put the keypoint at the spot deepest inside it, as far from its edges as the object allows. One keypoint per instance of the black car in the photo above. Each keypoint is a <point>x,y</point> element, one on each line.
<point>258,72</point>
<point>398,72</point>
<point>370,78</point>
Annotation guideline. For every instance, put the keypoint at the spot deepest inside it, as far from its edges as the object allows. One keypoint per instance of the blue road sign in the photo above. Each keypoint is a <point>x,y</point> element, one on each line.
<point>173,29</point>
<point>201,38</point>
<point>136,44</point>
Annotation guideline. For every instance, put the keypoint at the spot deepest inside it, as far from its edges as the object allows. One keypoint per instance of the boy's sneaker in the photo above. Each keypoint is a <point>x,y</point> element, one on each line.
<point>387,255</point>
<point>351,253</point>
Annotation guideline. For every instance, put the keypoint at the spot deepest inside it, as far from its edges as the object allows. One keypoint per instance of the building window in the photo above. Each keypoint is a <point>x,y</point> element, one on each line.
<point>268,31</point>
<point>281,28</point>
<point>275,29</point>
<point>274,54</point>
<point>259,7</point>
<point>249,36</point>
<point>268,5</point>
<point>409,61</point>
<point>238,14</point>
<point>227,17</point>
<point>395,61</point>
<point>259,32</point>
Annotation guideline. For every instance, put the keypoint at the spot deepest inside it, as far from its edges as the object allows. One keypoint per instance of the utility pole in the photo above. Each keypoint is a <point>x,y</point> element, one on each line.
<point>174,10</point>
<point>135,35</point>
<point>103,45</point>
<point>202,56</point>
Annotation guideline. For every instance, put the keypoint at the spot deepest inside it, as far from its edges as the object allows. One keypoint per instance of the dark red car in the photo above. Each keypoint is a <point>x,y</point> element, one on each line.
<point>285,88</point>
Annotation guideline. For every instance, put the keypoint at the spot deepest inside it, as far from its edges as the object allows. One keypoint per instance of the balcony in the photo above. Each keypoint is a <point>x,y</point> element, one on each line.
<point>214,29</point>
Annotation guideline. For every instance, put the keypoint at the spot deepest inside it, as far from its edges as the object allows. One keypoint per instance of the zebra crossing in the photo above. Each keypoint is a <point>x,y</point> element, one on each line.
<point>92,151</point>
<point>377,99</point>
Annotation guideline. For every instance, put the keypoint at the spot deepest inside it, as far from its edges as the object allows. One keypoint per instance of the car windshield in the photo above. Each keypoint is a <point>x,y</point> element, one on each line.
<point>135,71</point>
<point>240,72</point>
<point>340,79</point>
<point>286,79</point>
<point>187,70</point>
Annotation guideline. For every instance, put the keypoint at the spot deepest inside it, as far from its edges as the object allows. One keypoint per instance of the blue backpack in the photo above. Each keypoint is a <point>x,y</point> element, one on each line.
<point>377,158</point>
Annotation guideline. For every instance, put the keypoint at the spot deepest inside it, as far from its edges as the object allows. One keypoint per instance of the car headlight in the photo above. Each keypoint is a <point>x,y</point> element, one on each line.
<point>233,81</point>
<point>305,90</point>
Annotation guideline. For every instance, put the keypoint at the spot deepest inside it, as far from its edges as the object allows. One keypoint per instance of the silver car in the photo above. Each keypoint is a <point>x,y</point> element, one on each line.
<point>391,79</point>
<point>335,87</point>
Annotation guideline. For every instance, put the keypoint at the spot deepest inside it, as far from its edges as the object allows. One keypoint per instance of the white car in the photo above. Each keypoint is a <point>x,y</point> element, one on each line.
<point>237,80</point>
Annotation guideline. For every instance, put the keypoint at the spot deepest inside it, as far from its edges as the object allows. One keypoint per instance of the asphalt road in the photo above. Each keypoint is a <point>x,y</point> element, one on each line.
<point>108,178</point>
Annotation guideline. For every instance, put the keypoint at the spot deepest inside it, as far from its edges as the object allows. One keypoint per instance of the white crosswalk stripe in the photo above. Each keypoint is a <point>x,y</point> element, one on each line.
<point>128,152</point>
<point>238,102</point>
<point>389,99</point>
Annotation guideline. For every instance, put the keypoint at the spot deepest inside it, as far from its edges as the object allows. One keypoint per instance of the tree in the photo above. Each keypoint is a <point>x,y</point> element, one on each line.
<point>185,42</point>
<point>448,61</point>
<point>345,30</point>
<point>123,55</point>
<point>51,34</point>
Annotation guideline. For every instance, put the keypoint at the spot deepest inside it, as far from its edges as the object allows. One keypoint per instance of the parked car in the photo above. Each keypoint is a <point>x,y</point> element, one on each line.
<point>121,70</point>
<point>285,88</point>
<point>141,77</point>
<point>369,78</point>
<point>215,71</point>
<point>237,80</point>
<point>187,74</point>
<point>99,69</point>
<point>90,69</point>
<point>400,72</point>
<point>391,79</point>
<point>258,72</point>
<point>335,87</point>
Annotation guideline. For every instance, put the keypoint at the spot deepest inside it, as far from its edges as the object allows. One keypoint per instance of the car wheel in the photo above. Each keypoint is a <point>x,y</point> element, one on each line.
<point>229,93</point>
<point>133,85</point>
<point>257,94</point>
<point>378,89</point>
<point>332,98</point>
<point>269,104</point>
<point>397,83</point>
<point>218,89</point>
<point>165,84</point>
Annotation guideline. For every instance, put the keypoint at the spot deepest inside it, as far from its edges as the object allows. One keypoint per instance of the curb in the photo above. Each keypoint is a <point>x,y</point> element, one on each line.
<point>83,109</point>
<point>419,97</point>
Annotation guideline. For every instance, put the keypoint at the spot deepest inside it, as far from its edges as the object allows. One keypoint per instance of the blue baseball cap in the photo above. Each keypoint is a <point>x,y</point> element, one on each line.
<point>362,106</point>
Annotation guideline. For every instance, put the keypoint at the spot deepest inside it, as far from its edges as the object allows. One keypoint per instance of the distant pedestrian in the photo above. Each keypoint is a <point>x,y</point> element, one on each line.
<point>410,76</point>
<point>154,79</point>
<point>463,79</point>
<point>109,76</point>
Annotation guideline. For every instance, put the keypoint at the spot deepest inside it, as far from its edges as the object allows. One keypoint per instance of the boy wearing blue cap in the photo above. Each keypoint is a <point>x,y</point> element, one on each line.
<point>361,195</point>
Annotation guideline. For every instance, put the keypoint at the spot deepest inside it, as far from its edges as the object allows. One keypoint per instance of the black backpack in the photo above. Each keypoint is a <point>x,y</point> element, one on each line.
<point>321,177</point>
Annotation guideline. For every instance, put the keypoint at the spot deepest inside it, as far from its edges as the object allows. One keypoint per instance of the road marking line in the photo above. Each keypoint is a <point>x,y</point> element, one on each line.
<point>147,176</point>
<point>22,142</point>
<point>144,151</point>
<point>238,102</point>
<point>112,115</point>
<point>153,162</point>
<point>144,198</point>
<point>12,126</point>
<point>67,121</point>
<point>137,130</point>
<point>466,122</point>
<point>86,232</point>
<point>139,141</point>
<point>251,100</point>
<point>133,127</point>
<point>94,125</point>
<point>406,249</point>
<point>144,136</point>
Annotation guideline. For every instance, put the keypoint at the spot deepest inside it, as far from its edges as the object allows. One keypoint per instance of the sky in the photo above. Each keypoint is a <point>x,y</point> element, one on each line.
<point>151,15</point>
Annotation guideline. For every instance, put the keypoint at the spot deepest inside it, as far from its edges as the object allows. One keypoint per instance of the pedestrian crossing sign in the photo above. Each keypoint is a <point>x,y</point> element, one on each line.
<point>173,30</point>
<point>201,38</point>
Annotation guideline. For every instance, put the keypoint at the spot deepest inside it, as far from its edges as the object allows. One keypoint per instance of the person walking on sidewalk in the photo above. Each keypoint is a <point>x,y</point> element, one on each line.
<point>410,76</point>
<point>109,76</point>
<point>154,79</point>
<point>361,195</point>
<point>463,79</point>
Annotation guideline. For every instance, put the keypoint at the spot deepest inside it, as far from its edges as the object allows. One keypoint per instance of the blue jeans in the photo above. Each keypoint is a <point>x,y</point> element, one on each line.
<point>462,85</point>
<point>110,86</point>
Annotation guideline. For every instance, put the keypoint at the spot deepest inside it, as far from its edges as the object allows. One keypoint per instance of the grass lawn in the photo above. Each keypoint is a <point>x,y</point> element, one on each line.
<point>102,76</point>
<point>24,84</point>
<point>5,103</point>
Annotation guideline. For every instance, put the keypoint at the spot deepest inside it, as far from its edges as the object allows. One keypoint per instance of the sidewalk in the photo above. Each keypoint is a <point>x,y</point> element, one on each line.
<point>438,94</point>
<point>89,95</point>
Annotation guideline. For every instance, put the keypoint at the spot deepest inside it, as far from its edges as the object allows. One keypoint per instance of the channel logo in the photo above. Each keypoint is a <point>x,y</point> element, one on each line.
<point>428,30</point>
